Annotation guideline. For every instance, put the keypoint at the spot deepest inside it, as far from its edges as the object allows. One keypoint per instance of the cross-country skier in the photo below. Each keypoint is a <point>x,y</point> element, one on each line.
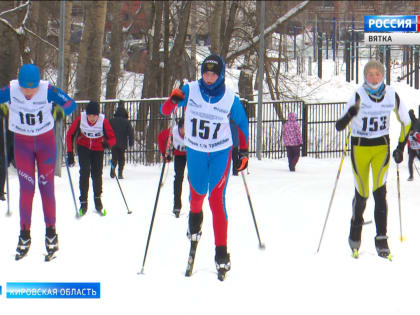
<point>369,110</point>
<point>31,118</point>
<point>93,134</point>
<point>209,106</point>
<point>180,159</point>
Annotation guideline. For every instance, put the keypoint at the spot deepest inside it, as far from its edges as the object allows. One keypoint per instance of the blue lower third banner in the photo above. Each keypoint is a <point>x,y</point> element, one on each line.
<point>53,290</point>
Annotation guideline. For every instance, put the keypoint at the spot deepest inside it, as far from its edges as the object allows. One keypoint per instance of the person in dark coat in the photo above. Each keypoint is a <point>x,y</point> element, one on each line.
<point>125,135</point>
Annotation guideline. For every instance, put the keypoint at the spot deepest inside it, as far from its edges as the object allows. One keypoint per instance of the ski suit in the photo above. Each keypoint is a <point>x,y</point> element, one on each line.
<point>32,123</point>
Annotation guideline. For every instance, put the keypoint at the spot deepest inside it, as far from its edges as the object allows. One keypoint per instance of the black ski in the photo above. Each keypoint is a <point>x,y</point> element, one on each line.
<point>20,256</point>
<point>49,257</point>
<point>191,258</point>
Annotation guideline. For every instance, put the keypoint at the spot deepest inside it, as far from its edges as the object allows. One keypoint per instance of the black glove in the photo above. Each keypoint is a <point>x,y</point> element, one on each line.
<point>177,95</point>
<point>167,157</point>
<point>70,159</point>
<point>105,144</point>
<point>242,160</point>
<point>353,110</point>
<point>398,153</point>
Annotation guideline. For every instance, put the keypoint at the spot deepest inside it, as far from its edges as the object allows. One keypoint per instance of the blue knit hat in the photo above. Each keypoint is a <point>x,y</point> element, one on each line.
<point>29,76</point>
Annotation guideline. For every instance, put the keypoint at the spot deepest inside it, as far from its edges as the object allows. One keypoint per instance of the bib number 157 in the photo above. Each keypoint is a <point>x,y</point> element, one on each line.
<point>204,128</point>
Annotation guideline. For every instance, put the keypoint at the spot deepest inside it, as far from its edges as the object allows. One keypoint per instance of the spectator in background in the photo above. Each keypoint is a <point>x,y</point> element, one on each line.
<point>125,135</point>
<point>292,140</point>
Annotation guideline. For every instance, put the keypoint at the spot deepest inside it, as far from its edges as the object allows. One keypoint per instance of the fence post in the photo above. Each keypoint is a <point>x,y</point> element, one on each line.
<point>320,55</point>
<point>304,129</point>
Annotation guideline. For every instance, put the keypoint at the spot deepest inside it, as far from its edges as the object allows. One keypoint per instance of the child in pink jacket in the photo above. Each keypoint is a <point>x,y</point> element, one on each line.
<point>292,140</point>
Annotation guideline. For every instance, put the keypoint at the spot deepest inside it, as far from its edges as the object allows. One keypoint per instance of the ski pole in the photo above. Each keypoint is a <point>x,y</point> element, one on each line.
<point>122,194</point>
<point>335,186</point>
<point>6,166</point>
<point>153,217</point>
<point>70,181</point>
<point>402,238</point>
<point>261,245</point>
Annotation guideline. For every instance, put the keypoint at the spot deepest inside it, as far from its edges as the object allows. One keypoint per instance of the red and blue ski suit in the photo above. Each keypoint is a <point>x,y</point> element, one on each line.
<point>40,148</point>
<point>208,168</point>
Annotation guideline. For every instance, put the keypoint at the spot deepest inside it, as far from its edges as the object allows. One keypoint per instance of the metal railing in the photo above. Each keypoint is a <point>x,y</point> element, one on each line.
<point>317,121</point>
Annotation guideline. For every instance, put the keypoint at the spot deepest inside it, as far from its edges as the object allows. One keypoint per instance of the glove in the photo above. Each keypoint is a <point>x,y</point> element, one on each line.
<point>58,113</point>
<point>177,95</point>
<point>70,159</point>
<point>167,157</point>
<point>398,153</point>
<point>4,110</point>
<point>105,144</point>
<point>242,160</point>
<point>353,110</point>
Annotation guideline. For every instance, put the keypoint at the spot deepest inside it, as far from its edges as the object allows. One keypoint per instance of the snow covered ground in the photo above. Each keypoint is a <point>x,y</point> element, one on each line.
<point>289,277</point>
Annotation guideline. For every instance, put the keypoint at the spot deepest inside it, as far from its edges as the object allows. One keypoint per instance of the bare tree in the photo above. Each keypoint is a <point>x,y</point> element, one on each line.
<point>89,67</point>
<point>116,47</point>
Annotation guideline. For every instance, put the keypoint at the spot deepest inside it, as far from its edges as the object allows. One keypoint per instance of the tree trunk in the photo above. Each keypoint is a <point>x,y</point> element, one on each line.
<point>177,53</point>
<point>116,47</point>
<point>227,35</point>
<point>67,52</point>
<point>39,24</point>
<point>94,57</point>
<point>89,64</point>
<point>9,50</point>
<point>215,28</point>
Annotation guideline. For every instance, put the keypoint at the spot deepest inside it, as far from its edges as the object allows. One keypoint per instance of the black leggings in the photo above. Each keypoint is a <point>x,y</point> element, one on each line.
<point>91,165</point>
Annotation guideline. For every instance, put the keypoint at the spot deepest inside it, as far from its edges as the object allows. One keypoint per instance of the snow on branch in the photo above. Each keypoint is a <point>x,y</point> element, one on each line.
<point>267,31</point>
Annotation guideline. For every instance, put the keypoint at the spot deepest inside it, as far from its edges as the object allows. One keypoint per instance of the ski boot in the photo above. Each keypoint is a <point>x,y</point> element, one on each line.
<point>120,174</point>
<point>194,234</point>
<point>411,178</point>
<point>99,207</point>
<point>355,238</point>
<point>381,244</point>
<point>24,244</point>
<point>83,208</point>
<point>51,243</point>
<point>222,260</point>
<point>176,212</point>
<point>194,226</point>
<point>112,173</point>
<point>2,196</point>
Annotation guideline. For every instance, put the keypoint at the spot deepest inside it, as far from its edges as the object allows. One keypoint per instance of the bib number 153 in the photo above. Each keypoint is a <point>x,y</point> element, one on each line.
<point>374,123</point>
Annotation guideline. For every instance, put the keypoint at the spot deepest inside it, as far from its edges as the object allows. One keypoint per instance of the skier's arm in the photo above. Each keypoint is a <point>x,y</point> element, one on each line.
<point>178,96</point>
<point>5,94</point>
<point>163,140</point>
<point>351,109</point>
<point>109,134</point>
<point>238,115</point>
<point>59,97</point>
<point>70,133</point>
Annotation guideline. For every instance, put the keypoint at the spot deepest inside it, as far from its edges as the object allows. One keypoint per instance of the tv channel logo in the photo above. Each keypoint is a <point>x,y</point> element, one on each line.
<point>391,23</point>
